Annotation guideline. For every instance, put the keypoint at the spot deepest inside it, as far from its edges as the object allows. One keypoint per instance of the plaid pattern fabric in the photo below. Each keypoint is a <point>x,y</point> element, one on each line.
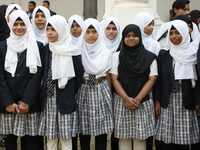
<point>95,110</point>
<point>176,124</point>
<point>19,124</point>
<point>139,124</point>
<point>55,125</point>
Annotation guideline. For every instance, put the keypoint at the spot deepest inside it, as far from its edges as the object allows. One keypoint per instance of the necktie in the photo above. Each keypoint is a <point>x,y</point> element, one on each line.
<point>50,85</point>
<point>175,84</point>
<point>92,79</point>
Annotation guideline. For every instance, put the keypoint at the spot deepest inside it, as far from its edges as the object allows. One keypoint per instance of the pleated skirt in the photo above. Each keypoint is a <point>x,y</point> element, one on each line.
<point>139,123</point>
<point>176,124</point>
<point>95,109</point>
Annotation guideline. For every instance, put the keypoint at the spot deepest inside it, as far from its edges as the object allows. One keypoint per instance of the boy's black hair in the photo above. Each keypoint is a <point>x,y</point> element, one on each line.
<point>179,4</point>
<point>46,2</point>
<point>32,2</point>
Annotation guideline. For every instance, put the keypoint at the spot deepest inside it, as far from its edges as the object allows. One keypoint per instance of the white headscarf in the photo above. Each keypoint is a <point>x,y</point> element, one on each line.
<point>79,20</point>
<point>96,56</point>
<point>113,44</point>
<point>149,41</point>
<point>184,54</point>
<point>18,44</point>
<point>62,51</point>
<point>40,34</point>
<point>11,7</point>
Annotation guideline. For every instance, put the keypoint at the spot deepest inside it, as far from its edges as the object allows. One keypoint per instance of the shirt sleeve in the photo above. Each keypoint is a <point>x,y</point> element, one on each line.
<point>115,64</point>
<point>153,69</point>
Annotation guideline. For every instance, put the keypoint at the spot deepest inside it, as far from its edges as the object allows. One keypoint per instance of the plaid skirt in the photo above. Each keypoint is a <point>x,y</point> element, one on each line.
<point>95,111</point>
<point>53,124</point>
<point>139,123</point>
<point>176,124</point>
<point>19,124</point>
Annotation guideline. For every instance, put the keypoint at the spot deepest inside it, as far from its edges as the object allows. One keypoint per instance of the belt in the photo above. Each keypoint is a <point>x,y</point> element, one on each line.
<point>97,81</point>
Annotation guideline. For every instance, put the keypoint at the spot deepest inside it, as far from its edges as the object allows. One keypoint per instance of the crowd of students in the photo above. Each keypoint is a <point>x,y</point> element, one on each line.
<point>63,79</point>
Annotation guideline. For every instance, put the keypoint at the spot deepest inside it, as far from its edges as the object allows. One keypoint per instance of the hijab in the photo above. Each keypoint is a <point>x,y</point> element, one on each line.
<point>183,54</point>
<point>184,18</point>
<point>113,44</point>
<point>134,63</point>
<point>79,20</point>
<point>4,29</point>
<point>62,51</point>
<point>18,44</point>
<point>11,7</point>
<point>95,56</point>
<point>40,34</point>
<point>142,20</point>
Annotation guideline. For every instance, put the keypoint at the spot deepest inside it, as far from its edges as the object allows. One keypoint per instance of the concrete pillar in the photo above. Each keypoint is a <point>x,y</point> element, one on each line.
<point>126,10</point>
<point>90,9</point>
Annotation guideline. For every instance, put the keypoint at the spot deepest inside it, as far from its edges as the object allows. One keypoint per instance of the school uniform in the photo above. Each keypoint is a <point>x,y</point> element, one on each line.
<point>112,45</point>
<point>20,81</point>
<point>133,66</point>
<point>182,102</point>
<point>177,124</point>
<point>60,109</point>
<point>63,73</point>
<point>95,112</point>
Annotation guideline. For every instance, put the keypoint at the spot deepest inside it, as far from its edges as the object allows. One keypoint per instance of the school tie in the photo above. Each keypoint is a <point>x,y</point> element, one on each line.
<point>50,83</point>
<point>92,79</point>
<point>175,84</point>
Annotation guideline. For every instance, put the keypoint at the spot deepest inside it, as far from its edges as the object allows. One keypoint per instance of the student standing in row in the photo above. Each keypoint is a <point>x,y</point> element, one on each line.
<point>20,78</point>
<point>63,73</point>
<point>10,9</point>
<point>146,23</point>
<point>133,74</point>
<point>76,27</point>
<point>112,38</point>
<point>176,91</point>
<point>39,18</point>
<point>112,33</point>
<point>94,98</point>
<point>75,23</point>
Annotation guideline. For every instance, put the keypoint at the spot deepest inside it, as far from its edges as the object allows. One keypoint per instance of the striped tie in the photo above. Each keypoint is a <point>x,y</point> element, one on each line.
<point>174,83</point>
<point>50,85</point>
<point>92,79</point>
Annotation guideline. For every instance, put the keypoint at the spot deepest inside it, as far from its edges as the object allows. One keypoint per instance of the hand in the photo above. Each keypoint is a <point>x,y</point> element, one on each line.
<point>137,102</point>
<point>130,104</point>
<point>12,108</point>
<point>157,108</point>
<point>23,107</point>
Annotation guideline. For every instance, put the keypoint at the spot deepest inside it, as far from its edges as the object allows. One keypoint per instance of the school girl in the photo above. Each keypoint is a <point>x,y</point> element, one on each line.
<point>20,78</point>
<point>146,23</point>
<point>76,26</point>
<point>10,9</point>
<point>39,18</point>
<point>63,72</point>
<point>133,74</point>
<point>75,23</point>
<point>94,96</point>
<point>176,90</point>
<point>112,34</point>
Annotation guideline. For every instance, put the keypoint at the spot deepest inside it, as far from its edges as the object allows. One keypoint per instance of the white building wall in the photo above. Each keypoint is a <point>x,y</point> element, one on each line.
<point>67,8</point>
